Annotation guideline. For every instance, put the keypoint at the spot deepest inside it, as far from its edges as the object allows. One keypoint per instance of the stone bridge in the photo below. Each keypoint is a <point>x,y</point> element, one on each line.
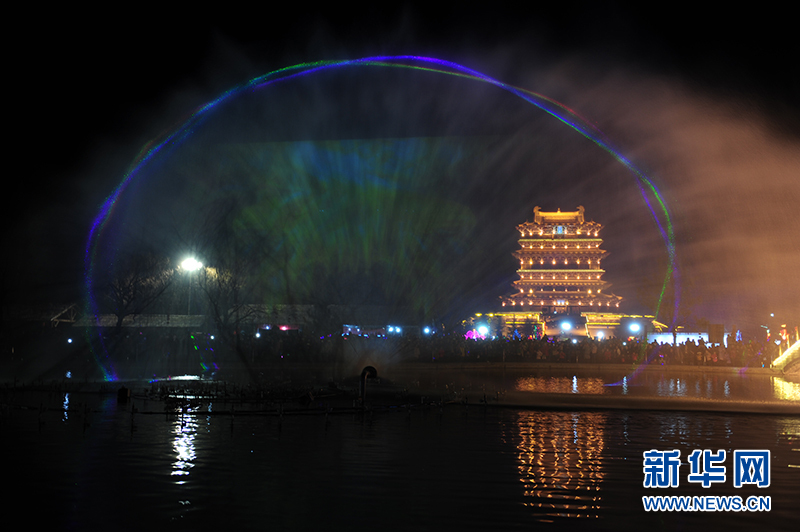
<point>788,359</point>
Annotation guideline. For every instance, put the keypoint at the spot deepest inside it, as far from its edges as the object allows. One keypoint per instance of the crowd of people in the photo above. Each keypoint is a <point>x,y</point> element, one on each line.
<point>457,348</point>
<point>591,351</point>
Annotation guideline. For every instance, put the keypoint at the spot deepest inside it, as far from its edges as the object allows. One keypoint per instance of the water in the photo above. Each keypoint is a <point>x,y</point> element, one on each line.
<point>82,462</point>
<point>713,384</point>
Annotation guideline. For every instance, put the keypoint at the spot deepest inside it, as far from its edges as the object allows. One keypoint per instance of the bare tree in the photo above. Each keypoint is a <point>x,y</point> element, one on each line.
<point>136,282</point>
<point>234,254</point>
<point>228,289</point>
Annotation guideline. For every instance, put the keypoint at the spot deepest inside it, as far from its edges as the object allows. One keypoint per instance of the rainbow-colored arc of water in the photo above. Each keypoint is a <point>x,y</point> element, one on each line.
<point>184,129</point>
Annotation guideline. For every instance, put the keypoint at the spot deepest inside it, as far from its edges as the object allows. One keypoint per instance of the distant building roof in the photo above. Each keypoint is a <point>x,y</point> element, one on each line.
<point>144,320</point>
<point>47,312</point>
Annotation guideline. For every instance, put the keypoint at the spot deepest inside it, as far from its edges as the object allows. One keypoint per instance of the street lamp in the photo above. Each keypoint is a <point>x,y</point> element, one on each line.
<point>190,265</point>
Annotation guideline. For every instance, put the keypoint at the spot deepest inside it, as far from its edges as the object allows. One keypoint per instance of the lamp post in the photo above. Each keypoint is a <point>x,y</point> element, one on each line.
<point>190,265</point>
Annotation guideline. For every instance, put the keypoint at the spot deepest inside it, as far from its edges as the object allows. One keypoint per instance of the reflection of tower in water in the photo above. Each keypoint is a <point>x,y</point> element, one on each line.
<point>560,462</point>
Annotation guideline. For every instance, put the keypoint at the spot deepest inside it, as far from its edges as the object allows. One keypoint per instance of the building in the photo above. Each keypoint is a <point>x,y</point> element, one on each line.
<point>560,265</point>
<point>560,289</point>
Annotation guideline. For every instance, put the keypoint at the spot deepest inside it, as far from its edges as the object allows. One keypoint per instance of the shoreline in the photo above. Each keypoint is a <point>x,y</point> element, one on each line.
<point>584,367</point>
<point>389,394</point>
<point>351,369</point>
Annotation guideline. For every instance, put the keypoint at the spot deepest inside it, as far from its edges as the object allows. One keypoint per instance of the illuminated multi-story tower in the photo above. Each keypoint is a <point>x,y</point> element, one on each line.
<point>560,266</point>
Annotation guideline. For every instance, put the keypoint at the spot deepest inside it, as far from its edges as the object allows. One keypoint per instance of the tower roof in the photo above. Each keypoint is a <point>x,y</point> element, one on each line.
<point>541,217</point>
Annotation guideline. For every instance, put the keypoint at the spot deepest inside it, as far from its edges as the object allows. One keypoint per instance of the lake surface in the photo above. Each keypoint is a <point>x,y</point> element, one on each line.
<point>714,384</point>
<point>81,461</point>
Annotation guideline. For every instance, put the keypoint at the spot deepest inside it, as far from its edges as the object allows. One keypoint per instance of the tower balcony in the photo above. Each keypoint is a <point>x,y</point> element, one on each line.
<point>553,274</point>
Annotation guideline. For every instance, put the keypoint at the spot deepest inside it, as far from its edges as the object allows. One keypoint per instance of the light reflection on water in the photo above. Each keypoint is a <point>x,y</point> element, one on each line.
<point>560,462</point>
<point>786,390</point>
<point>697,386</point>
<point>790,429</point>
<point>184,430</point>
<point>65,406</point>
<point>714,384</point>
<point>587,385</point>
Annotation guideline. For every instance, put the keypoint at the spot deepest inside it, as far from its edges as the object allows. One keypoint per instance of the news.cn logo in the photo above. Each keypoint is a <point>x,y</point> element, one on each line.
<point>705,467</point>
<point>750,468</point>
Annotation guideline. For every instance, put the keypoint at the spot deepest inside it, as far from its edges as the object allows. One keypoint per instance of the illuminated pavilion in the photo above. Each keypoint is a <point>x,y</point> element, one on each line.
<point>560,286</point>
<point>560,264</point>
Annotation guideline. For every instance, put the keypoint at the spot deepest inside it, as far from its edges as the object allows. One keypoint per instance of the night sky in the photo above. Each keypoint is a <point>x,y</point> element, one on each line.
<point>707,103</point>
